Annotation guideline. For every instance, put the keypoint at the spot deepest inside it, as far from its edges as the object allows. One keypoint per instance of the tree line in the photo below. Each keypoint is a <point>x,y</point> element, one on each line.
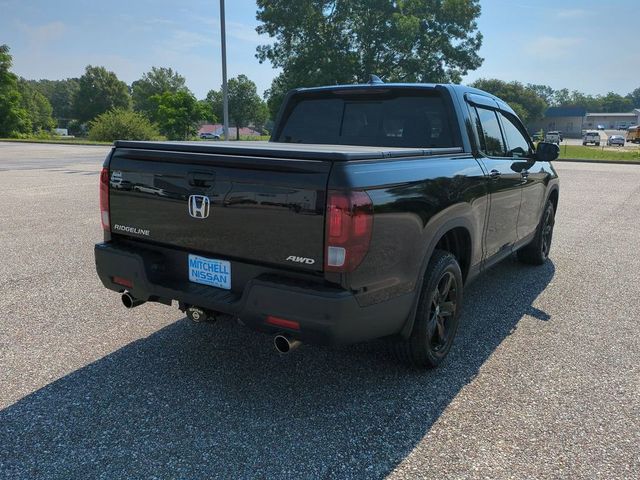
<point>98,104</point>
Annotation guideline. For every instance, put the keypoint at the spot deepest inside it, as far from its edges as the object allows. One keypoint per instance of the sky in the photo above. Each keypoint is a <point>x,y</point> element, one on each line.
<point>580,45</point>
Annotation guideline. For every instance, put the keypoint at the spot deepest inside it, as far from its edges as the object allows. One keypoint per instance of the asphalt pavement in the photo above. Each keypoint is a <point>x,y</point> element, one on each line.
<point>543,380</point>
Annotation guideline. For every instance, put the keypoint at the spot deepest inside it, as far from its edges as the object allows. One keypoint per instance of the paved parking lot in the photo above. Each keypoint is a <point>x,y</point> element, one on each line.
<point>543,380</point>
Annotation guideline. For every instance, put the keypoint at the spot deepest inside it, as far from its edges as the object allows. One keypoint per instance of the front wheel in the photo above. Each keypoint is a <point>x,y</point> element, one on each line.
<point>537,251</point>
<point>437,316</point>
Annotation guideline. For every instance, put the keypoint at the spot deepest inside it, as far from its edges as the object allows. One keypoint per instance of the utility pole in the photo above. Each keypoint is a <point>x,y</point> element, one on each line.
<point>225,89</point>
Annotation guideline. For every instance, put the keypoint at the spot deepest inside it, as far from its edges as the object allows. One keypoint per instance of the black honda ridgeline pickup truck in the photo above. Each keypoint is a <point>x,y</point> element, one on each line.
<point>364,216</point>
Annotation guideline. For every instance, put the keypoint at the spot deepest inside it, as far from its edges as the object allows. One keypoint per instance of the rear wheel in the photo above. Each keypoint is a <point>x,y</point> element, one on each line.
<point>437,316</point>
<point>537,252</point>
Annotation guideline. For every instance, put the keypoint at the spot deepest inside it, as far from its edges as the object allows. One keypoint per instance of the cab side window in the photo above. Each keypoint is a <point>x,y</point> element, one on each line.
<point>491,140</point>
<point>517,143</point>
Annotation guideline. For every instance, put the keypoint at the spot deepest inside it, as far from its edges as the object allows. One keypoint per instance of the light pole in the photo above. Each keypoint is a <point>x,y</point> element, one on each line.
<point>225,89</point>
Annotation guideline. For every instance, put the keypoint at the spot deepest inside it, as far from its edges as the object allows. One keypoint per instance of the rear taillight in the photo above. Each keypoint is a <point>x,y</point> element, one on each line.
<point>104,198</point>
<point>348,230</point>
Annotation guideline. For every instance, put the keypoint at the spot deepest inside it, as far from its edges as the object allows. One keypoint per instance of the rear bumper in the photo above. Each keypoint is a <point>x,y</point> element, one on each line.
<point>326,315</point>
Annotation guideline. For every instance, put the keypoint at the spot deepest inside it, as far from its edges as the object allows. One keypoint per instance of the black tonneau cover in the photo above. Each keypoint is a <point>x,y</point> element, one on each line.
<point>292,151</point>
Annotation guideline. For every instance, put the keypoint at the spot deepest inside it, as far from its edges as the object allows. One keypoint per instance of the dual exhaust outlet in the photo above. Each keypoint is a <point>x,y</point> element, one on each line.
<point>283,343</point>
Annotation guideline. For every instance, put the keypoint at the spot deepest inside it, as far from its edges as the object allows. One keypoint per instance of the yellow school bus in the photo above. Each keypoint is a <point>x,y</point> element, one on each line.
<point>633,134</point>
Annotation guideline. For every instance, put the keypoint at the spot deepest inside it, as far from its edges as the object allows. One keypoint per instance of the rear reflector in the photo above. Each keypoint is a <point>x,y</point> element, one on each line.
<point>348,230</point>
<point>281,322</point>
<point>125,282</point>
<point>104,199</point>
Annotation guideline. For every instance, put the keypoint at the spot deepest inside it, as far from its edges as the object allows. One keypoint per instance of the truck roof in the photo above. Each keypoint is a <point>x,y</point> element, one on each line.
<point>413,86</point>
<point>453,88</point>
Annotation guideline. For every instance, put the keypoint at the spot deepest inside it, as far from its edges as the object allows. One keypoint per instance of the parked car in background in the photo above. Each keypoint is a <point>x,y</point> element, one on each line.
<point>600,127</point>
<point>615,140</point>
<point>591,137</point>
<point>209,136</point>
<point>553,137</point>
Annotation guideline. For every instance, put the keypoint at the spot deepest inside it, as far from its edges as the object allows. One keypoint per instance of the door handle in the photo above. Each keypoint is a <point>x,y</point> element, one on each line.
<point>494,174</point>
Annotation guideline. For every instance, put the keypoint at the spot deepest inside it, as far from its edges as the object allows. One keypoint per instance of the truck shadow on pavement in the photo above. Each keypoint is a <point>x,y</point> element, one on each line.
<point>215,401</point>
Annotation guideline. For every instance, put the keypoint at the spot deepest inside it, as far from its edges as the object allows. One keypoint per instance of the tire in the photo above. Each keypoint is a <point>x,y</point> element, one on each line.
<point>584,144</point>
<point>537,252</point>
<point>437,316</point>
<point>598,144</point>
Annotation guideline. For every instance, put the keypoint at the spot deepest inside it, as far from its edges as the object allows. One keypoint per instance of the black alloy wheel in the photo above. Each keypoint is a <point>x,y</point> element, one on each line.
<point>437,316</point>
<point>537,251</point>
<point>547,231</point>
<point>442,312</point>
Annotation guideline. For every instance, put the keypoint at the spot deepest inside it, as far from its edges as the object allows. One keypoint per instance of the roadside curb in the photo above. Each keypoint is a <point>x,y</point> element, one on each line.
<point>590,160</point>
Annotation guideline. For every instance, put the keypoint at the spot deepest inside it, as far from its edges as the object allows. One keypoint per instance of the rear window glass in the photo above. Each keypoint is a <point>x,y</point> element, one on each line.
<point>399,121</point>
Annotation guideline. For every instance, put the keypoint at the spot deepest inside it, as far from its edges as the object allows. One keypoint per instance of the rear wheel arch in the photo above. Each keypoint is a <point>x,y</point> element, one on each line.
<point>454,236</point>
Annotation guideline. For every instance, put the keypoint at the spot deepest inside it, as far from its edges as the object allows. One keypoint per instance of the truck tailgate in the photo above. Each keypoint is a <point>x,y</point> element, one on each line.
<point>242,207</point>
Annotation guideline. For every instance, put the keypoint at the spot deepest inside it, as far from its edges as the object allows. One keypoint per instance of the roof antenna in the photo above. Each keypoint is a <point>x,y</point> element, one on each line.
<point>374,79</point>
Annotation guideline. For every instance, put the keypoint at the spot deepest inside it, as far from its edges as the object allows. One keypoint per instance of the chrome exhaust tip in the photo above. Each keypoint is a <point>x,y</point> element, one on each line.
<point>285,344</point>
<point>129,301</point>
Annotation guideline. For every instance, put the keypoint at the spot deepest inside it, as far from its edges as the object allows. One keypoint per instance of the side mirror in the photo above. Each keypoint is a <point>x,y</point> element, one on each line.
<point>546,152</point>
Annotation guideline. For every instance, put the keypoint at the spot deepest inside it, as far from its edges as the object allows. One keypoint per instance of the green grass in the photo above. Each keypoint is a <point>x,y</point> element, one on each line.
<point>597,153</point>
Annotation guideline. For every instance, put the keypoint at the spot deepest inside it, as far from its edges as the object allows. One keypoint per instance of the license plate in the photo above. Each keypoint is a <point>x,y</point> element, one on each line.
<point>209,271</point>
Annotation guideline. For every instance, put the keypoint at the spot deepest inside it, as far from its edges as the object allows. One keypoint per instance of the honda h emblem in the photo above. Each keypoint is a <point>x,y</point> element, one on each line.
<point>199,206</point>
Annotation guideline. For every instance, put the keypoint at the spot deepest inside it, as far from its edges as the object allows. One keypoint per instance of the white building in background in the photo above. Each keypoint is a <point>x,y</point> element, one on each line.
<point>612,121</point>
<point>572,121</point>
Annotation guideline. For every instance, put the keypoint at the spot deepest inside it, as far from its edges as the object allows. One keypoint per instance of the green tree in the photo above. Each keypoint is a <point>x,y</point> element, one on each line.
<point>329,41</point>
<point>99,91</point>
<point>14,118</point>
<point>635,97</point>
<point>178,114</point>
<point>155,82</point>
<point>245,105</point>
<point>612,102</point>
<point>526,102</point>
<point>561,97</point>
<point>543,91</point>
<point>121,124</point>
<point>274,95</point>
<point>60,94</point>
<point>39,108</point>
<point>261,118</point>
